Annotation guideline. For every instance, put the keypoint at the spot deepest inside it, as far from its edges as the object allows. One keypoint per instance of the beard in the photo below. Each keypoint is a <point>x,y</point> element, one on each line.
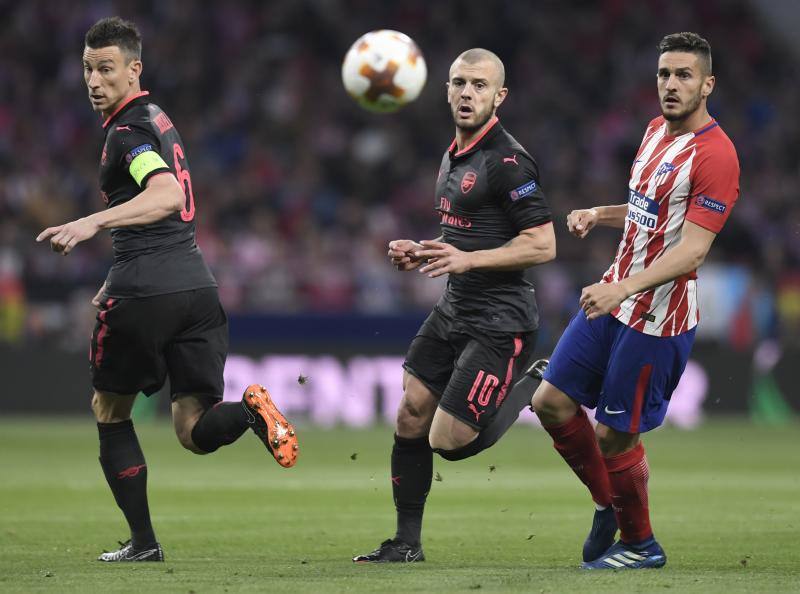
<point>480,119</point>
<point>691,107</point>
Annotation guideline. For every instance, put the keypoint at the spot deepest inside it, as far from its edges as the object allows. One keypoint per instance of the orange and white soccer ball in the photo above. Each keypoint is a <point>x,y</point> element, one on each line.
<point>384,70</point>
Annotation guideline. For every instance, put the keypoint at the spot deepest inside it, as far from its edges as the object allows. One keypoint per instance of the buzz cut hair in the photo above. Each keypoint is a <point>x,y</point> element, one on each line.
<point>691,43</point>
<point>478,54</point>
<point>112,31</point>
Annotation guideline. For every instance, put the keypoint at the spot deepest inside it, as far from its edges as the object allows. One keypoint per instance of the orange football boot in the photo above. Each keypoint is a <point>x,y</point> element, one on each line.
<point>270,425</point>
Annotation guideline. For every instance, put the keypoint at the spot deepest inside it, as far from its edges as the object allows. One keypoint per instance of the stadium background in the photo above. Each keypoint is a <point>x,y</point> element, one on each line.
<point>298,192</point>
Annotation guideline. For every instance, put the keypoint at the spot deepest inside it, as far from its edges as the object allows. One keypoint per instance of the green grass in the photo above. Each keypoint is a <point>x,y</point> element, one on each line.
<point>725,504</point>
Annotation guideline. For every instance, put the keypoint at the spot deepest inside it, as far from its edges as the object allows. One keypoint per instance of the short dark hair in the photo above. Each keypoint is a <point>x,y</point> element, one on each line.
<point>691,43</point>
<point>478,54</point>
<point>115,31</point>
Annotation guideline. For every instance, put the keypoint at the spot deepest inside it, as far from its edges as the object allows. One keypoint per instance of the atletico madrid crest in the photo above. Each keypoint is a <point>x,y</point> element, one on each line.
<point>663,172</point>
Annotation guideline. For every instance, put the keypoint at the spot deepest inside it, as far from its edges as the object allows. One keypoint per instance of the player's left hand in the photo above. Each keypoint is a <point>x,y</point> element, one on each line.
<point>443,258</point>
<point>65,237</point>
<point>600,299</point>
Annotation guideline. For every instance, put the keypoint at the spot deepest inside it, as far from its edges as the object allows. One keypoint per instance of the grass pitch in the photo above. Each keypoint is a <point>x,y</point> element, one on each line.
<point>725,503</point>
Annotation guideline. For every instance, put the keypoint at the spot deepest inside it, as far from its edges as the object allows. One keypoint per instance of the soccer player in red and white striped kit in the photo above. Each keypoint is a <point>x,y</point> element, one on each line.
<point>625,350</point>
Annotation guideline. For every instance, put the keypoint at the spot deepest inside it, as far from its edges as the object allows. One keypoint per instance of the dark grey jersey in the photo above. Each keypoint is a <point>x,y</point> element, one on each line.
<point>161,257</point>
<point>486,194</point>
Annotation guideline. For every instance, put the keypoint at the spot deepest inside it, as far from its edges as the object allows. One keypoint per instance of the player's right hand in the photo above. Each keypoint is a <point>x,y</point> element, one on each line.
<point>580,222</point>
<point>96,300</point>
<point>401,254</point>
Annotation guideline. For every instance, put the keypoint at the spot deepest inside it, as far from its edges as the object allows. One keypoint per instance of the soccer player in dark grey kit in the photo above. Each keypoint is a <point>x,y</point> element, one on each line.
<point>159,312</point>
<point>474,346</point>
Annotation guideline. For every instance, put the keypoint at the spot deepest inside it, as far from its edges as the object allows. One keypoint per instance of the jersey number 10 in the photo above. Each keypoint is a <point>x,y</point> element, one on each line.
<point>490,382</point>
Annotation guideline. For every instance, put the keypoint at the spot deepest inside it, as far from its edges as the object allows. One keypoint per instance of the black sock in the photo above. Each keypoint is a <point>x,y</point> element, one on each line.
<point>474,447</point>
<point>412,471</point>
<point>126,472</point>
<point>220,425</point>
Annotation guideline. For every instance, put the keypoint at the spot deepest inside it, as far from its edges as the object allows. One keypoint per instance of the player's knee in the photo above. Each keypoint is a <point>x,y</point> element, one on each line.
<point>458,437</point>
<point>613,442</point>
<point>412,419</point>
<point>110,408</point>
<point>184,433</point>
<point>440,442</point>
<point>187,410</point>
<point>453,448</point>
<point>96,407</point>
<point>552,406</point>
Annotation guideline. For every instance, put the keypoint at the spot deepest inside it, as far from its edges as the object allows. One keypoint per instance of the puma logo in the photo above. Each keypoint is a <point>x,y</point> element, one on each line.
<point>128,128</point>
<point>476,412</point>
<point>511,159</point>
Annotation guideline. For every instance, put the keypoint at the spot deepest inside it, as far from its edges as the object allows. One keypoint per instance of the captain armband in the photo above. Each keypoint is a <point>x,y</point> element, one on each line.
<point>143,161</point>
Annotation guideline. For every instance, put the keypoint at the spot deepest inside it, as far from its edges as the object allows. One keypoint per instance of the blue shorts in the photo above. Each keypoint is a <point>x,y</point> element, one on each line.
<point>627,375</point>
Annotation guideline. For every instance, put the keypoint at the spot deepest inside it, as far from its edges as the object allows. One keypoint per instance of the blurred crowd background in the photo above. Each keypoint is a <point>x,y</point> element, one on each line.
<point>298,191</point>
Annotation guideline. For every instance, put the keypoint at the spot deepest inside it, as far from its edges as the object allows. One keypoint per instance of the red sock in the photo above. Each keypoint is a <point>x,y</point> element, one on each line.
<point>577,444</point>
<point>628,474</point>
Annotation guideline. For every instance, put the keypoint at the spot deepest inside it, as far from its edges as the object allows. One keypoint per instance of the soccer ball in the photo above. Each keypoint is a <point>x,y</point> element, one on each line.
<point>384,70</point>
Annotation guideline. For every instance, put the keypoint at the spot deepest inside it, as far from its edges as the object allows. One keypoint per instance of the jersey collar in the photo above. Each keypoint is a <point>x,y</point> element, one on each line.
<point>701,130</point>
<point>123,106</point>
<point>492,126</point>
<point>709,126</point>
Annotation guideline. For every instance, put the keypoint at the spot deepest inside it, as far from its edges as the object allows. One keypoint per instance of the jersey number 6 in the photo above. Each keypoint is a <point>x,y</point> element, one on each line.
<point>185,180</point>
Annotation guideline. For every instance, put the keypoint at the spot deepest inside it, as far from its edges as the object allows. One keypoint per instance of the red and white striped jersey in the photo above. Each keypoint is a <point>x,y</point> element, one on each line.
<point>694,177</point>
